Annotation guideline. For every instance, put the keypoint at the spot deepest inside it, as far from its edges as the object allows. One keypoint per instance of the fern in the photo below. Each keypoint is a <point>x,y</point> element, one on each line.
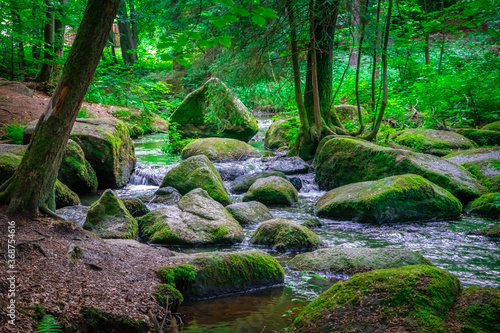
<point>49,325</point>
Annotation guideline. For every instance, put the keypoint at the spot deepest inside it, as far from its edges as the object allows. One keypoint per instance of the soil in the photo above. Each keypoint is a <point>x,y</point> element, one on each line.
<point>118,278</point>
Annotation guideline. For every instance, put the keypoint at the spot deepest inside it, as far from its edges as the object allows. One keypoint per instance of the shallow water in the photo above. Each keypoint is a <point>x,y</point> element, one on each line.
<point>447,244</point>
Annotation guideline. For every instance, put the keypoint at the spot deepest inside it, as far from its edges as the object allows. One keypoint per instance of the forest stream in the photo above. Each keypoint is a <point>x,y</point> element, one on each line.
<point>475,260</point>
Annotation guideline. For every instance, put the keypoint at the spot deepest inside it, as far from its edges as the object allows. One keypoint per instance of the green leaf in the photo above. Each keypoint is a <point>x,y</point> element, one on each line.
<point>225,40</point>
<point>180,59</point>
<point>166,57</point>
<point>195,36</point>
<point>259,20</point>
<point>211,42</point>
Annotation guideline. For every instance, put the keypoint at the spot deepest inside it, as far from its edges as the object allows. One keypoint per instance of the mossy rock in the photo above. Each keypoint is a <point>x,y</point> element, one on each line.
<point>166,196</point>
<point>64,196</point>
<point>272,190</point>
<point>75,171</point>
<point>242,184</point>
<point>107,146</point>
<point>477,310</point>
<point>216,274</point>
<point>342,160</point>
<point>10,159</point>
<point>284,235</point>
<point>276,135</point>
<point>220,149</point>
<point>135,206</point>
<point>249,212</point>
<point>109,218</point>
<point>495,126</point>
<point>347,112</point>
<point>481,137</point>
<point>164,291</point>
<point>405,299</point>
<point>392,199</point>
<point>214,111</point>
<point>95,320</point>
<point>493,231</point>
<point>197,172</point>
<point>429,141</point>
<point>355,260</point>
<point>487,205</point>
<point>482,163</point>
<point>197,219</point>
<point>313,222</point>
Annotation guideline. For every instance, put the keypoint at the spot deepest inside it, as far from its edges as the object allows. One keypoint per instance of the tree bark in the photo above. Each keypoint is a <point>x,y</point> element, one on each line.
<point>59,32</point>
<point>31,188</point>
<point>48,33</point>
<point>126,42</point>
<point>16,19</point>
<point>375,61</point>
<point>426,45</point>
<point>133,24</point>
<point>355,21</point>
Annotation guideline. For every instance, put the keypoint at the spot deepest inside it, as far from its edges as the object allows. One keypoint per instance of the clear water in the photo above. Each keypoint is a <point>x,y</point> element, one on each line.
<point>447,244</point>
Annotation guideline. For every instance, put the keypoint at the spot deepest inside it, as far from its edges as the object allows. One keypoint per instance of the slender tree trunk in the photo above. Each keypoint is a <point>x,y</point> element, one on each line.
<point>48,33</point>
<point>35,49</point>
<point>16,19</point>
<point>427,40</point>
<point>126,42</point>
<point>355,21</point>
<point>31,188</point>
<point>375,60</point>
<point>443,42</point>
<point>112,41</point>
<point>133,23</point>
<point>60,30</point>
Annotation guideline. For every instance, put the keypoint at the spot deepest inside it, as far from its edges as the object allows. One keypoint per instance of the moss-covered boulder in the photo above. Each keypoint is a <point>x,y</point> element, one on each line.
<point>216,274</point>
<point>214,111</point>
<point>313,222</point>
<point>277,134</point>
<point>476,310</point>
<point>487,205</point>
<point>166,196</point>
<point>495,126</point>
<point>10,159</point>
<point>135,206</point>
<point>272,190</point>
<point>347,112</point>
<point>493,231</point>
<point>243,183</point>
<point>481,137</point>
<point>285,235</point>
<point>429,141</point>
<point>197,219</point>
<point>109,218</point>
<point>107,146</point>
<point>405,299</point>
<point>197,172</point>
<point>64,196</point>
<point>342,160</point>
<point>355,260</point>
<point>164,292</point>
<point>220,149</point>
<point>392,199</point>
<point>482,163</point>
<point>75,171</point>
<point>249,212</point>
<point>96,320</point>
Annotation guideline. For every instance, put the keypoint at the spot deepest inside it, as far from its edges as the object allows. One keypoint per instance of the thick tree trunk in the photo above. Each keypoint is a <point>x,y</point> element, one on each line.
<point>126,42</point>
<point>32,186</point>
<point>48,33</point>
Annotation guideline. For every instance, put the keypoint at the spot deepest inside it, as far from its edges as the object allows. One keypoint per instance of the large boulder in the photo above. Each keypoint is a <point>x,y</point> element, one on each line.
<point>272,190</point>
<point>481,137</point>
<point>342,160</point>
<point>107,146</point>
<point>405,299</point>
<point>355,260</point>
<point>493,231</point>
<point>10,159</point>
<point>197,172</point>
<point>109,218</point>
<point>197,219</point>
<point>392,199</point>
<point>483,163</point>
<point>243,183</point>
<point>487,205</point>
<point>16,87</point>
<point>135,206</point>
<point>495,126</point>
<point>166,196</point>
<point>347,112</point>
<point>277,135</point>
<point>75,171</point>
<point>220,149</point>
<point>288,165</point>
<point>431,141</point>
<point>285,235</point>
<point>214,111</point>
<point>64,196</point>
<point>249,212</point>
<point>217,274</point>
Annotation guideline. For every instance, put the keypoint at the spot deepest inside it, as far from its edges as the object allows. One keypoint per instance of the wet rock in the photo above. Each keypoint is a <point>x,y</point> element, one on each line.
<point>284,235</point>
<point>481,137</point>
<point>220,150</point>
<point>272,190</point>
<point>313,222</point>
<point>75,171</point>
<point>214,111</point>
<point>242,184</point>
<point>197,172</point>
<point>109,218</point>
<point>166,195</point>
<point>355,260</point>
<point>416,297</point>
<point>197,219</point>
<point>96,320</point>
<point>495,126</point>
<point>277,134</point>
<point>135,206</point>
<point>296,182</point>
<point>392,199</point>
<point>249,212</point>
<point>64,196</point>
<point>288,165</point>
<point>487,205</point>
<point>493,231</point>
<point>344,160</point>
<point>215,274</point>
<point>231,172</point>
<point>164,292</point>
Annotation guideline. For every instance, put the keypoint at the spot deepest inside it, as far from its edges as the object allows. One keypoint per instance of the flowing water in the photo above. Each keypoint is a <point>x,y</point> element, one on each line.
<point>447,244</point>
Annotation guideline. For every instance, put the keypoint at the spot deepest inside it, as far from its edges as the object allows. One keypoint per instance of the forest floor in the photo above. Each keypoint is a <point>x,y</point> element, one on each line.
<point>118,278</point>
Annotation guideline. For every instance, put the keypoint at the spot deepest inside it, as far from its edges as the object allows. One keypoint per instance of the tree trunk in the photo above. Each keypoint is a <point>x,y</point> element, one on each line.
<point>133,23</point>
<point>426,45</point>
<point>48,33</point>
<point>16,19</point>
<point>126,42</point>
<point>355,20</point>
<point>112,41</point>
<point>375,61</point>
<point>31,188</point>
<point>60,30</point>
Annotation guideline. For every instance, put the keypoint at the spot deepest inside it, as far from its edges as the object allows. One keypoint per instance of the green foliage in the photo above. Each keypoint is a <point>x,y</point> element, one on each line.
<point>139,122</point>
<point>178,276</point>
<point>84,113</point>
<point>48,325</point>
<point>175,143</point>
<point>14,132</point>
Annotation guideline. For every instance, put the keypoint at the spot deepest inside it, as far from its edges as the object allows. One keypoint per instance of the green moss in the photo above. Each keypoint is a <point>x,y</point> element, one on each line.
<point>487,205</point>
<point>8,165</point>
<point>493,231</point>
<point>178,276</point>
<point>405,299</point>
<point>95,319</point>
<point>163,291</point>
<point>64,196</point>
<point>75,171</point>
<point>277,134</point>
<point>220,150</point>
<point>135,206</point>
<point>272,190</point>
<point>481,137</point>
<point>242,185</point>
<point>495,126</point>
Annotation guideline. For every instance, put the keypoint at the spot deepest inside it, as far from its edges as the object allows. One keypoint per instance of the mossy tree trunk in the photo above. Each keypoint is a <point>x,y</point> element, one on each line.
<point>31,188</point>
